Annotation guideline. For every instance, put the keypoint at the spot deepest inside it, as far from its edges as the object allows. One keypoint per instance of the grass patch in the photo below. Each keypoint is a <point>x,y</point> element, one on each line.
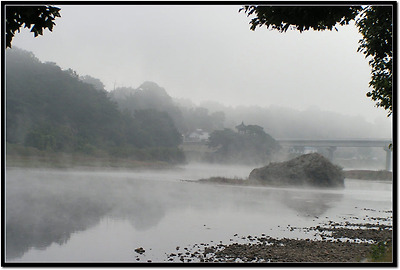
<point>381,252</point>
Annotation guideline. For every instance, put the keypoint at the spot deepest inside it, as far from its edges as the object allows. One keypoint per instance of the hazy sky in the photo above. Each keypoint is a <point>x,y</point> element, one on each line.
<point>204,52</point>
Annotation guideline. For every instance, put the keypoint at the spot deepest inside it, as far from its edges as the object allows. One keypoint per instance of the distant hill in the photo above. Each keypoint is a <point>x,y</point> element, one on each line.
<point>57,110</point>
<point>150,95</point>
<point>284,123</point>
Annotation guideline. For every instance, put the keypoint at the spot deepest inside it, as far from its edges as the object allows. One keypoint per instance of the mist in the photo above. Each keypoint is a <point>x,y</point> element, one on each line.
<point>228,62</point>
<point>109,126</point>
<point>48,211</point>
<point>85,124</point>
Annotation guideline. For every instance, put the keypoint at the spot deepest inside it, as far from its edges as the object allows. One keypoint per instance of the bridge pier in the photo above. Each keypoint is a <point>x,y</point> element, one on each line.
<point>331,149</point>
<point>388,157</point>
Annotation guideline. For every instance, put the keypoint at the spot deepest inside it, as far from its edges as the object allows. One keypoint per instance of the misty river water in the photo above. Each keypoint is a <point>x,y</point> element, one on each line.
<point>65,215</point>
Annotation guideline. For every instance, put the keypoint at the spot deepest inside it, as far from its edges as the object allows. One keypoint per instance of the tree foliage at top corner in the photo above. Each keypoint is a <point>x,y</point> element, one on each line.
<point>300,18</point>
<point>376,27</point>
<point>36,18</point>
<point>374,23</point>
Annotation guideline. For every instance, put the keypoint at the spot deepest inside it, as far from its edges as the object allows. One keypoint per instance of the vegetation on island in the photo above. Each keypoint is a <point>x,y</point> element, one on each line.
<point>306,170</point>
<point>309,170</point>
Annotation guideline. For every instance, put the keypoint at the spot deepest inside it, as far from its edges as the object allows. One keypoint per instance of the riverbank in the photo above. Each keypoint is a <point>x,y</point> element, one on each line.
<point>66,161</point>
<point>340,243</point>
<point>149,158</point>
<point>369,175</point>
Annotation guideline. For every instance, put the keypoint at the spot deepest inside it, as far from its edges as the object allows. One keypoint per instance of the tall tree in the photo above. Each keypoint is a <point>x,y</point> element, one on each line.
<point>251,146</point>
<point>37,18</point>
<point>375,23</point>
<point>376,27</point>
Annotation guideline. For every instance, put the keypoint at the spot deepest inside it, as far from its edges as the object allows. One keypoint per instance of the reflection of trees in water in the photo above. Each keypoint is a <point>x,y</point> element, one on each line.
<point>41,212</point>
<point>138,207</point>
<point>305,203</point>
<point>144,215</point>
<point>32,225</point>
<point>45,211</point>
<point>310,204</point>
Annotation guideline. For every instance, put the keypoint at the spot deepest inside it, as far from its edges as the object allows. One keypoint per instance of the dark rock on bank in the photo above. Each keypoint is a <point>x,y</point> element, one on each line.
<point>140,250</point>
<point>310,170</point>
<point>341,242</point>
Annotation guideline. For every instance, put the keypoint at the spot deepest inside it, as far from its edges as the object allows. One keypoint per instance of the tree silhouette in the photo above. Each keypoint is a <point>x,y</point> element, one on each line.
<point>36,18</point>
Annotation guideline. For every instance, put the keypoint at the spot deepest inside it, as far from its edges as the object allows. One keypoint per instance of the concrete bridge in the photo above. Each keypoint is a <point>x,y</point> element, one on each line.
<point>331,145</point>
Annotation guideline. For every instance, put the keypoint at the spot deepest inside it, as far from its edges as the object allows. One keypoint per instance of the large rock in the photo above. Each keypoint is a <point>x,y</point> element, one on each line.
<point>309,170</point>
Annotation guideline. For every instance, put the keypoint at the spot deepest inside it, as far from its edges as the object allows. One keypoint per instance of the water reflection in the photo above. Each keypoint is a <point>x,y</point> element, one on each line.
<point>45,207</point>
<point>38,222</point>
<point>41,210</point>
<point>310,204</point>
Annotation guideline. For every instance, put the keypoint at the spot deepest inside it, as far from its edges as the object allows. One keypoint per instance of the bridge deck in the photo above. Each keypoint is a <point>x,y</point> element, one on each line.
<point>335,143</point>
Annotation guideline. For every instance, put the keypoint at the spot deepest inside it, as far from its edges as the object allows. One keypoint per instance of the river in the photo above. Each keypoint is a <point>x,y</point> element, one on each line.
<point>86,215</point>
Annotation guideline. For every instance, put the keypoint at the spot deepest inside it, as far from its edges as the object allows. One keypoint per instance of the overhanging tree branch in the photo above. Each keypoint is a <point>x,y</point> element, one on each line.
<point>36,18</point>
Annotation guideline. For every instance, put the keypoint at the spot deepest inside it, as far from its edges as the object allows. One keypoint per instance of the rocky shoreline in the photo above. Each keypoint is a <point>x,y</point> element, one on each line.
<point>332,242</point>
<point>340,244</point>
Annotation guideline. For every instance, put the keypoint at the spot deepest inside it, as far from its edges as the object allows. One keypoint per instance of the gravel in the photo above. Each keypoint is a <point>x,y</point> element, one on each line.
<point>339,243</point>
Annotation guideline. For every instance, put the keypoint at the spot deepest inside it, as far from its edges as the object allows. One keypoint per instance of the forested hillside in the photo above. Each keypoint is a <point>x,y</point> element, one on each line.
<point>150,95</point>
<point>55,110</point>
<point>59,111</point>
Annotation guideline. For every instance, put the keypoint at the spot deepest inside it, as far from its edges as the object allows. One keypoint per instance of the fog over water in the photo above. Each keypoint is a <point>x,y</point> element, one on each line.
<point>103,215</point>
<point>114,88</point>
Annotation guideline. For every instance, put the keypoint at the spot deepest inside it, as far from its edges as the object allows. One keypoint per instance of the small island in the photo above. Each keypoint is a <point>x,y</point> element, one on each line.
<point>313,170</point>
<point>306,170</point>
